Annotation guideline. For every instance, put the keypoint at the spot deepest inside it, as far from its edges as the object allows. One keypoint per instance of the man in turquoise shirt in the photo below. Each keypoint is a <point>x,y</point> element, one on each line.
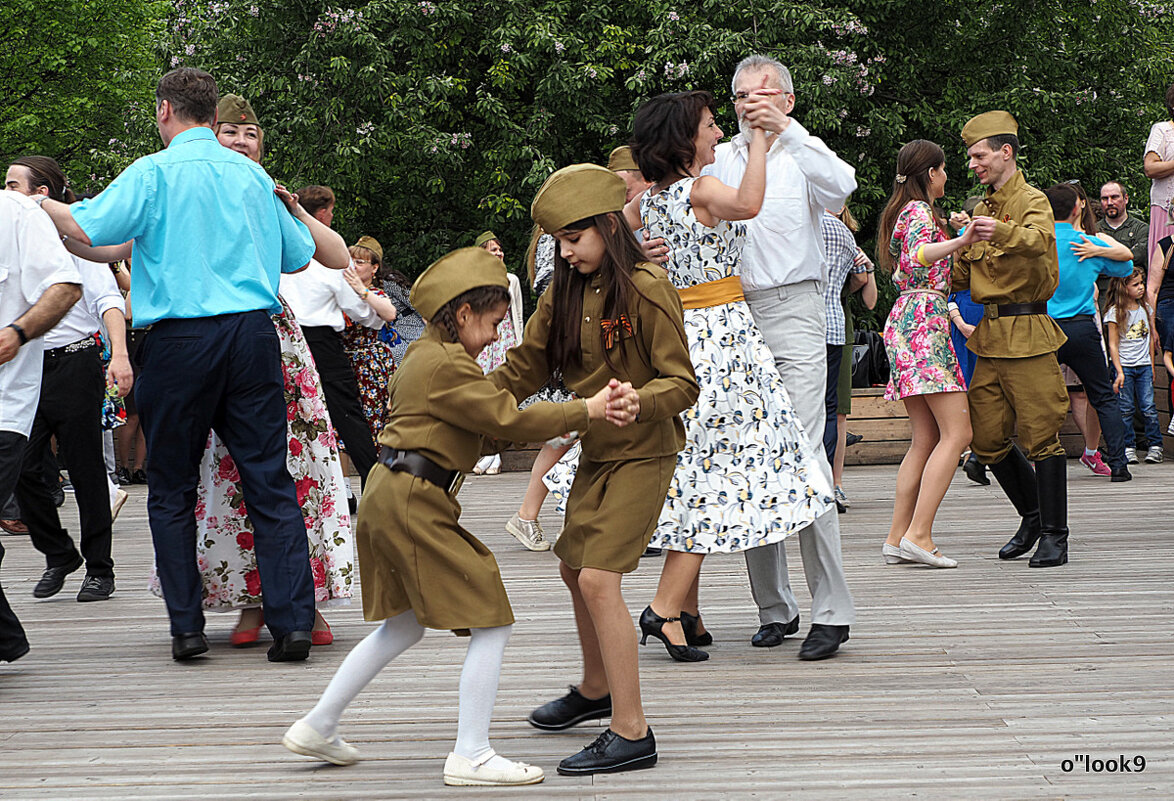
<point>210,239</point>
<point>1073,307</point>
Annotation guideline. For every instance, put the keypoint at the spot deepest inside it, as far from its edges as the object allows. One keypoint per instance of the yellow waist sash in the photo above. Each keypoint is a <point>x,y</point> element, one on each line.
<point>712,293</point>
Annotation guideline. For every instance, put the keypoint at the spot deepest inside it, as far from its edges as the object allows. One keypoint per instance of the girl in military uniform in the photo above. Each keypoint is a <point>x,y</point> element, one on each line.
<point>421,569</point>
<point>607,312</point>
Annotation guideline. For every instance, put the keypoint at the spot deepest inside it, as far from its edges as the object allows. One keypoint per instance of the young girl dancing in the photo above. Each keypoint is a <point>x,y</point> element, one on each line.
<point>607,312</point>
<point>420,568</point>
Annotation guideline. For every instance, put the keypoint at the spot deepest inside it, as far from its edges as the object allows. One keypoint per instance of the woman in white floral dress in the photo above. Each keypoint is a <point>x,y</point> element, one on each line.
<point>224,532</point>
<point>748,476</point>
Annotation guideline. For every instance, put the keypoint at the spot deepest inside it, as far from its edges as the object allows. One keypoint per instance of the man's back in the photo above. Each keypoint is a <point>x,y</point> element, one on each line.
<point>210,236</point>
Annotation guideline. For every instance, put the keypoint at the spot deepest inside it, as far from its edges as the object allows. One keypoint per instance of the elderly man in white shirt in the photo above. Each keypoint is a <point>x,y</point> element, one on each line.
<point>319,297</point>
<point>783,272</point>
<point>38,284</point>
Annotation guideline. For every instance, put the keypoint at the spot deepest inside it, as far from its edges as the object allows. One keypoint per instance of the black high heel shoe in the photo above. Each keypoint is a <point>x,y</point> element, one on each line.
<point>652,625</point>
<point>690,623</point>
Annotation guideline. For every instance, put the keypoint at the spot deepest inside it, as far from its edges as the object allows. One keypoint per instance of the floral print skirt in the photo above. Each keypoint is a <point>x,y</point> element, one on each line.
<point>224,532</point>
<point>921,357</point>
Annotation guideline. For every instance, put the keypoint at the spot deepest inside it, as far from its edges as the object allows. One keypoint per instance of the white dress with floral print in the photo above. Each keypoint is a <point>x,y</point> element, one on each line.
<point>224,532</point>
<point>748,475</point>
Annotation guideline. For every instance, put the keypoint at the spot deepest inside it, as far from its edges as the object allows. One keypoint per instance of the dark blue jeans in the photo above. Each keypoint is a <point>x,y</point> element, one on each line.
<point>222,373</point>
<point>1138,393</point>
<point>1164,320</point>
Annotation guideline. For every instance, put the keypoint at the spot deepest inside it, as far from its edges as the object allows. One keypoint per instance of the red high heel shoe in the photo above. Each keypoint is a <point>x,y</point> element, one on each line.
<point>243,637</point>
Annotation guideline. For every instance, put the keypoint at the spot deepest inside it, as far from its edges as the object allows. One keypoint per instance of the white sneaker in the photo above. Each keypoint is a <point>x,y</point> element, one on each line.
<point>463,772</point>
<point>841,497</point>
<point>528,532</point>
<point>304,739</point>
<point>1131,455</point>
<point>116,505</point>
<point>1154,454</point>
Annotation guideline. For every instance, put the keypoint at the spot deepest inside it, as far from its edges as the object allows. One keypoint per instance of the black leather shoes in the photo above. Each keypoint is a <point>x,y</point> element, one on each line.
<point>185,646</point>
<point>96,588</point>
<point>690,624</point>
<point>975,471</point>
<point>611,753</point>
<point>292,647</point>
<point>572,708</point>
<point>772,634</point>
<point>14,651</point>
<point>53,579</point>
<point>822,641</point>
<point>1121,475</point>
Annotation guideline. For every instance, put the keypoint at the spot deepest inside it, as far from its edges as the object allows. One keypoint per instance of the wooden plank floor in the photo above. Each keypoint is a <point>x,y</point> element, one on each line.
<point>972,683</point>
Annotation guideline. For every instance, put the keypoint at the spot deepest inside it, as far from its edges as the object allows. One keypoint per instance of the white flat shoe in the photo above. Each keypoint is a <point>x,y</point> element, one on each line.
<point>304,739</point>
<point>463,772</point>
<point>893,555</point>
<point>915,553</point>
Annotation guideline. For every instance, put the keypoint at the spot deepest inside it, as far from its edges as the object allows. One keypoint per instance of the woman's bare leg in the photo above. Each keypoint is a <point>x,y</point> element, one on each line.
<point>616,636</point>
<point>951,415</point>
<point>924,440</point>
<point>678,576</point>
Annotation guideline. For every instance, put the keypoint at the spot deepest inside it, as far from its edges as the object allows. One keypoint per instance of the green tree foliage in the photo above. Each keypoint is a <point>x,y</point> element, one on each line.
<point>77,78</point>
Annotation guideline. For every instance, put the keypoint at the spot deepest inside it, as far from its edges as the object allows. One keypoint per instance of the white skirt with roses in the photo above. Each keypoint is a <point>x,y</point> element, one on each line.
<point>224,532</point>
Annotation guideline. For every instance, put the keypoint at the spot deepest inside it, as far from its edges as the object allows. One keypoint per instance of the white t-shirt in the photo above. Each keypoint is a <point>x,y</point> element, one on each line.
<point>1133,339</point>
<point>99,295</point>
<point>1161,141</point>
<point>32,259</point>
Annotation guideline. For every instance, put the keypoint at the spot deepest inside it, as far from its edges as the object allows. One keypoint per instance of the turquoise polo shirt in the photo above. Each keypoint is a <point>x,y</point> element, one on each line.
<point>1078,278</point>
<point>210,236</point>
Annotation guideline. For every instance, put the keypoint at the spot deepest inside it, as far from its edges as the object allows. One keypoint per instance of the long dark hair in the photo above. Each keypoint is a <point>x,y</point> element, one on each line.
<point>46,172</point>
<point>1119,297</point>
<point>664,131</point>
<point>914,161</point>
<point>621,255</point>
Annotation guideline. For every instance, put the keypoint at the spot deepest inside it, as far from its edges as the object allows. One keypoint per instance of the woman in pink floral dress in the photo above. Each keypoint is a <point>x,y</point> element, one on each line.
<point>925,372</point>
<point>224,532</point>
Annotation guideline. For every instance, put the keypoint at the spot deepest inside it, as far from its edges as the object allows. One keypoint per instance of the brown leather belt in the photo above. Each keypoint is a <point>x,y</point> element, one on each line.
<point>994,311</point>
<point>419,465</point>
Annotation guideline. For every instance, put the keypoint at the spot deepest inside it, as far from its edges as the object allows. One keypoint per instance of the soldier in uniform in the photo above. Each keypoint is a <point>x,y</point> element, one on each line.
<point>1017,386</point>
<point>421,569</point>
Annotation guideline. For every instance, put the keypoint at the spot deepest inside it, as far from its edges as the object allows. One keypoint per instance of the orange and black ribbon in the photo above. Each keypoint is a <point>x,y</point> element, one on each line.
<point>612,328</point>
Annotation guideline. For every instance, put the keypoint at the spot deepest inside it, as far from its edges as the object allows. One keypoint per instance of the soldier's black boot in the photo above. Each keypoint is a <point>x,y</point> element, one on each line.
<point>1053,512</point>
<point>1018,481</point>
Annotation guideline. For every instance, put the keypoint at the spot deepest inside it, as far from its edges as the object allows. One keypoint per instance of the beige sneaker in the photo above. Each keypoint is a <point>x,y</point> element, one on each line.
<point>463,772</point>
<point>528,532</point>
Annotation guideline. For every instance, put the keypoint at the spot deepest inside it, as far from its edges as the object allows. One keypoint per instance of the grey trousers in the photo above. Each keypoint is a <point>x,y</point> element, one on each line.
<point>793,322</point>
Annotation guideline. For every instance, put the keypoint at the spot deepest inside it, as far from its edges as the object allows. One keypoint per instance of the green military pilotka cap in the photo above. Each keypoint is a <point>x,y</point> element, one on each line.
<point>454,274</point>
<point>576,193</point>
<point>984,126</point>
<point>235,110</point>
<point>371,244</point>
<point>621,159</point>
<point>486,237</point>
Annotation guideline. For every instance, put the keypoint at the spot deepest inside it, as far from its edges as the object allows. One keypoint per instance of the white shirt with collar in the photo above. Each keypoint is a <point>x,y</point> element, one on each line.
<point>320,296</point>
<point>99,295</point>
<point>32,259</point>
<point>784,244</point>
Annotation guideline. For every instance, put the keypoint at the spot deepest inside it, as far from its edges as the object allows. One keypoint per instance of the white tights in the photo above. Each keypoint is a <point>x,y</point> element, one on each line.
<point>478,689</point>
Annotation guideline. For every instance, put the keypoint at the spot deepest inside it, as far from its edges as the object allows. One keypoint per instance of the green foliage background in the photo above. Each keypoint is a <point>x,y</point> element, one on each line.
<point>433,121</point>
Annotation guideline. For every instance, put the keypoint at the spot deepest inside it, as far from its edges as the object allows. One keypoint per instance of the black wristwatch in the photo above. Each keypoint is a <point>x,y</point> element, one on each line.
<point>19,332</point>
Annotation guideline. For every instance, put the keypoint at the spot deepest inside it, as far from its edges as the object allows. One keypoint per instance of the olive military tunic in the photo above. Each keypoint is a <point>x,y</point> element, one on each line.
<point>624,473</point>
<point>413,551</point>
<point>1017,383</point>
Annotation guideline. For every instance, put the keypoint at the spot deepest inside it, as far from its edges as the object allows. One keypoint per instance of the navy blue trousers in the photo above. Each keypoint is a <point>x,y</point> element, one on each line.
<point>1082,352</point>
<point>222,373</point>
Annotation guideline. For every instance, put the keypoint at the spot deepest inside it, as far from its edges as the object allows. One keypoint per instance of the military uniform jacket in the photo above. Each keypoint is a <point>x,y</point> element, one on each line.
<point>441,404</point>
<point>1018,265</point>
<point>650,351</point>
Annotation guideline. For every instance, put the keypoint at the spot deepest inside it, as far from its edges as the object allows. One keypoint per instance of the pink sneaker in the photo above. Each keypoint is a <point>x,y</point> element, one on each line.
<point>1096,464</point>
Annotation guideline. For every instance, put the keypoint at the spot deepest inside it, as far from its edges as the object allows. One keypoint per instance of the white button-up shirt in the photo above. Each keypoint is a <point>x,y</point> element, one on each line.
<point>32,259</point>
<point>320,296</point>
<point>784,244</point>
<point>99,295</point>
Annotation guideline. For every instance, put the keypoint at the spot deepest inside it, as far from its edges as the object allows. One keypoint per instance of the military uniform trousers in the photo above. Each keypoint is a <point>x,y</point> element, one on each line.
<point>1025,396</point>
<point>793,321</point>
